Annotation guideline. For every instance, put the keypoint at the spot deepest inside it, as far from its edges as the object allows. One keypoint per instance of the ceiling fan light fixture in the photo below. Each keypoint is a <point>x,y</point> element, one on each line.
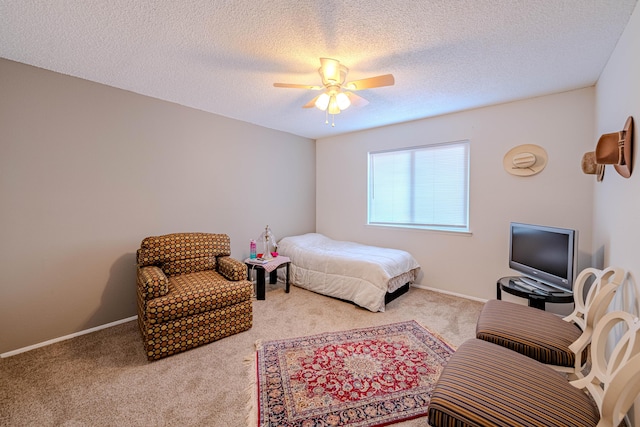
<point>332,72</point>
<point>333,105</point>
<point>322,102</point>
<point>343,101</point>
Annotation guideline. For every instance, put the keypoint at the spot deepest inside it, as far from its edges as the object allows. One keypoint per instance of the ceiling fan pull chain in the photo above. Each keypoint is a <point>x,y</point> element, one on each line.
<point>326,117</point>
<point>333,120</point>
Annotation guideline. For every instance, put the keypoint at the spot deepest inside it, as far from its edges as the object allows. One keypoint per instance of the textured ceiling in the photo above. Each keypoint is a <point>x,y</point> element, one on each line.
<point>223,56</point>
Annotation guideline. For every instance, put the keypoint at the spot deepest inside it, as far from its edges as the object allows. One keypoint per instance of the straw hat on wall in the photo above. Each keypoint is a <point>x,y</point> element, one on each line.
<point>590,167</point>
<point>525,160</point>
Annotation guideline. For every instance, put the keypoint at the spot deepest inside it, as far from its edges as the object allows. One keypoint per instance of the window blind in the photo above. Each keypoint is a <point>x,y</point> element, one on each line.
<point>425,186</point>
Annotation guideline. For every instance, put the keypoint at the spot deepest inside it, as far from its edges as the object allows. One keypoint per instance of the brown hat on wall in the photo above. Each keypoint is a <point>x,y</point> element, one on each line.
<point>617,149</point>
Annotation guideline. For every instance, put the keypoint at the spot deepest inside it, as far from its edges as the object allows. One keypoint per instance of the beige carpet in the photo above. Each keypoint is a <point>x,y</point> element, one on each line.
<point>104,379</point>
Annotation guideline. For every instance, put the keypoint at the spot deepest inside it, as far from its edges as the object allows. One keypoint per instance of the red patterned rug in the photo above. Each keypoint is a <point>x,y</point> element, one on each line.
<point>362,377</point>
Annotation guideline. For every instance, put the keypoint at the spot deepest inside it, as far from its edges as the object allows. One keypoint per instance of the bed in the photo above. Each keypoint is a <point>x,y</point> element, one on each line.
<point>368,276</point>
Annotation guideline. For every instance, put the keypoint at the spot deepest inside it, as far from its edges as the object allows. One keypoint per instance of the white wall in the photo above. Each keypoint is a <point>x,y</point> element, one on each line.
<point>87,171</point>
<point>561,195</point>
<point>617,199</point>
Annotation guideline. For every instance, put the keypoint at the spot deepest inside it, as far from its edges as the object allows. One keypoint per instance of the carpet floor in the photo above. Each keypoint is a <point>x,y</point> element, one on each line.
<point>104,379</point>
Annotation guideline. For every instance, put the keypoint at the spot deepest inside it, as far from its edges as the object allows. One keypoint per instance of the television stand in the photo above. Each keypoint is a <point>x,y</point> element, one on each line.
<point>536,298</point>
<point>530,284</point>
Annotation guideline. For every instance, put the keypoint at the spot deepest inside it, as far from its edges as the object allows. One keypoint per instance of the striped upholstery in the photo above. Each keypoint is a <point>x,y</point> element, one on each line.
<point>488,385</point>
<point>527,331</point>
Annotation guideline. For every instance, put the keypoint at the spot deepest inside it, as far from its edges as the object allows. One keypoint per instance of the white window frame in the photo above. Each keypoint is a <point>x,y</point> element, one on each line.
<point>428,153</point>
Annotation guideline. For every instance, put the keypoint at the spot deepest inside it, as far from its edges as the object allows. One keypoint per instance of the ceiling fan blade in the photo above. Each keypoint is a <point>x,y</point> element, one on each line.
<point>311,103</point>
<point>296,86</point>
<point>371,82</point>
<point>356,100</point>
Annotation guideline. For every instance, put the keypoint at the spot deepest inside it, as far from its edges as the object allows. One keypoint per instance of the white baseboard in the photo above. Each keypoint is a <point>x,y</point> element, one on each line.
<point>66,337</point>
<point>117,322</point>
<point>455,294</point>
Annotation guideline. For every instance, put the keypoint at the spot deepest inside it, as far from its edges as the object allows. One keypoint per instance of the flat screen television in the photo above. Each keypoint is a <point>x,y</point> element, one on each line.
<point>544,254</point>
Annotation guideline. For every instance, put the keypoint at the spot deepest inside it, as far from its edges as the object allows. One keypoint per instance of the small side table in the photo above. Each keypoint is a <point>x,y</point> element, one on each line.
<point>272,268</point>
<point>536,300</point>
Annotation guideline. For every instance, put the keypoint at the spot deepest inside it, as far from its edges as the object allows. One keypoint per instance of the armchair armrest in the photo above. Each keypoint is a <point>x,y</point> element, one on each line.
<point>231,268</point>
<point>152,282</point>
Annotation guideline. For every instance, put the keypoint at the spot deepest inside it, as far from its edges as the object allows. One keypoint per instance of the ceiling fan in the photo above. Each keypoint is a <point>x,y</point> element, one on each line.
<point>337,94</point>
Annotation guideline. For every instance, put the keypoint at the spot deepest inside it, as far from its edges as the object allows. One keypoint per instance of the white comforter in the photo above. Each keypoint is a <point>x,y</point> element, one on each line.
<point>346,270</point>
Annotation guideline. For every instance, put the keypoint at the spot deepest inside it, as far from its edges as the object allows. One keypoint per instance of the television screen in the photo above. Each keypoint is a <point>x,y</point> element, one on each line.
<point>545,254</point>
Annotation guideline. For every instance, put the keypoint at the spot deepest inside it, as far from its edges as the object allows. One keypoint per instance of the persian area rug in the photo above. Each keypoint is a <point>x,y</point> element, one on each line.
<point>362,377</point>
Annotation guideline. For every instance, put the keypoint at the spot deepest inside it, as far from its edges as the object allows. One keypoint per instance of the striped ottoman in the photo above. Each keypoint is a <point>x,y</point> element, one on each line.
<point>541,335</point>
<point>484,384</point>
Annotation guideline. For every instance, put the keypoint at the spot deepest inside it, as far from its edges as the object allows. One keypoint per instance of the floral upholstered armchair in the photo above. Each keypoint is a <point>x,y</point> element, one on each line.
<point>190,292</point>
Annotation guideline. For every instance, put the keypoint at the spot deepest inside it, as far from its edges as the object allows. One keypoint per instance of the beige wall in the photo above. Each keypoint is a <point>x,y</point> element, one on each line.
<point>561,195</point>
<point>617,199</point>
<point>87,171</point>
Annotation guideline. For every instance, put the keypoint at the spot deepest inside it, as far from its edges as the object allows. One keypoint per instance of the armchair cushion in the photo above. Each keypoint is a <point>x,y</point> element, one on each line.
<point>152,282</point>
<point>186,266</point>
<point>195,293</point>
<point>157,250</point>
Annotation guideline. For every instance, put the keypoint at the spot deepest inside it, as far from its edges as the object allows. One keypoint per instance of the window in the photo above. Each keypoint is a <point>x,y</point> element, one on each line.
<point>421,187</point>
